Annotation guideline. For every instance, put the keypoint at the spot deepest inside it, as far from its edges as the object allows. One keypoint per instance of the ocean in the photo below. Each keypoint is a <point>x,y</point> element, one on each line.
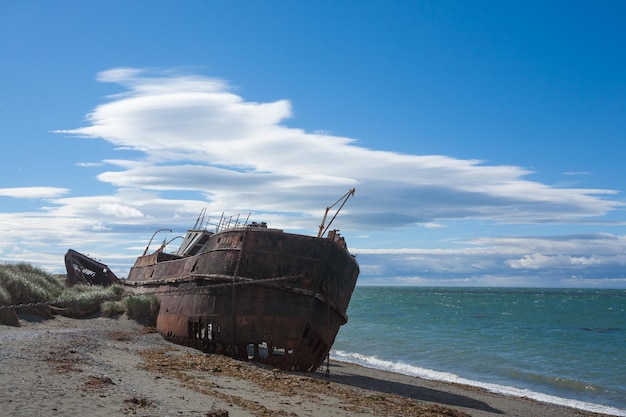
<point>562,346</point>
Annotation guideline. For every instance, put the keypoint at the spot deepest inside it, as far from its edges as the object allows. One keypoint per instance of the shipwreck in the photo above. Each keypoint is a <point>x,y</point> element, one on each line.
<point>244,289</point>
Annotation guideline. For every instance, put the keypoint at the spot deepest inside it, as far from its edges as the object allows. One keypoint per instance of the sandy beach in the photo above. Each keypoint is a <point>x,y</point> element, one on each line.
<point>116,367</point>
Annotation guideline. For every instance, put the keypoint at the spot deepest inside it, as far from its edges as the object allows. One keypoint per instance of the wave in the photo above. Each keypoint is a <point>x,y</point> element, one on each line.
<point>410,370</point>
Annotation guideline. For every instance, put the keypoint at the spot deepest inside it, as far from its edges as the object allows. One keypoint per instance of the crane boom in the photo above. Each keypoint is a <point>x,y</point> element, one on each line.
<point>343,199</point>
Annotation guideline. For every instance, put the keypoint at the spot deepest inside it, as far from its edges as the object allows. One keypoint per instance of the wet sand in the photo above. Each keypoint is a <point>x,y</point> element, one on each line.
<point>117,367</point>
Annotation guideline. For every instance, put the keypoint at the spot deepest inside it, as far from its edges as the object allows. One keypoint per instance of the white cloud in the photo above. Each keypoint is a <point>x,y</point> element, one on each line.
<point>89,164</point>
<point>119,210</point>
<point>577,173</point>
<point>203,146</point>
<point>33,192</point>
<point>512,261</point>
<point>198,135</point>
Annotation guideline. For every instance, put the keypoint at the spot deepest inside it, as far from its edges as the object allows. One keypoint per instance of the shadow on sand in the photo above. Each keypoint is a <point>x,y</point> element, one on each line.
<point>415,392</point>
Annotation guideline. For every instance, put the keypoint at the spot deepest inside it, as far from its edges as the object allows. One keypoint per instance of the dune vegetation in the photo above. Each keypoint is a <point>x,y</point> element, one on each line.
<point>25,288</point>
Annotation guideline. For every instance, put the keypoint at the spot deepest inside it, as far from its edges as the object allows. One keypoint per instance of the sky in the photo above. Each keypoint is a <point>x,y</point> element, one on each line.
<point>485,139</point>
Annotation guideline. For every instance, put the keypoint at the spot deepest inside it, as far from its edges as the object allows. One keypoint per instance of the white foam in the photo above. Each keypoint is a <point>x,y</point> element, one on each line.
<point>410,370</point>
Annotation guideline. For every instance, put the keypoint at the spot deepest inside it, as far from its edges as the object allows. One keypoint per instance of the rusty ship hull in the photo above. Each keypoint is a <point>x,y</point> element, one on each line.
<point>253,293</point>
<point>249,292</point>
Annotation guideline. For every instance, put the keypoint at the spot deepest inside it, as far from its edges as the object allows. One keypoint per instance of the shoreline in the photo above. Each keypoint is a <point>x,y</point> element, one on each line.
<point>455,394</point>
<point>116,367</point>
<point>504,390</point>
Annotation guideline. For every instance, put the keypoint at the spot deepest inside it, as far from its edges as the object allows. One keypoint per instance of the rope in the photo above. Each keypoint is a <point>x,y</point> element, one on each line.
<point>230,284</point>
<point>328,337</point>
<point>25,305</point>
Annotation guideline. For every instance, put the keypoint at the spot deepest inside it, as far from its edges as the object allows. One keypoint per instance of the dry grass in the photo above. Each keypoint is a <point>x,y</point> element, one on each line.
<point>112,308</point>
<point>82,300</point>
<point>142,308</point>
<point>22,284</point>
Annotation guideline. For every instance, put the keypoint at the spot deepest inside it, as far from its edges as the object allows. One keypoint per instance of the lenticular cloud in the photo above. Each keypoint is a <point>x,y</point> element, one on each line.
<point>196,134</point>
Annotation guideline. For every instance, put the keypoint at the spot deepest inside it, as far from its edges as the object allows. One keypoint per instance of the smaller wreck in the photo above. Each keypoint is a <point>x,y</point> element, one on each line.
<point>244,289</point>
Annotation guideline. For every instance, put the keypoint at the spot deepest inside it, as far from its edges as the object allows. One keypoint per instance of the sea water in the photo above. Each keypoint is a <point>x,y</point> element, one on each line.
<point>563,346</point>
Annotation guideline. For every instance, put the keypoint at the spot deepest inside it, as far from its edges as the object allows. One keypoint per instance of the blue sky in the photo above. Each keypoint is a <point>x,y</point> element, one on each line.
<point>484,138</point>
